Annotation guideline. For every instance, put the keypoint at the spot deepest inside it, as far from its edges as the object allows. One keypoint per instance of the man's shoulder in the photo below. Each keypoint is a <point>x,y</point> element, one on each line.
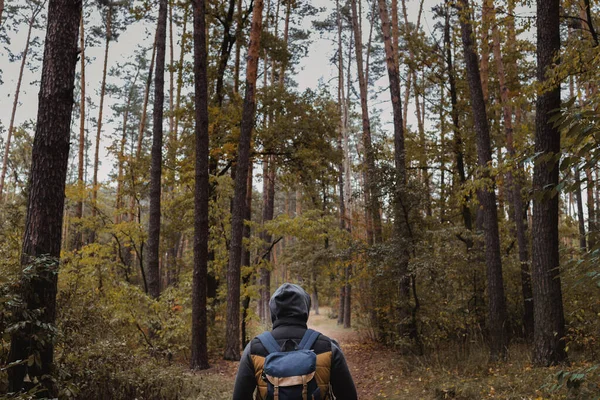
<point>323,344</point>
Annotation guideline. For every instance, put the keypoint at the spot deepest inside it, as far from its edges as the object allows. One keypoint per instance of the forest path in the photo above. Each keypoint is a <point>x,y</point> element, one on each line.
<point>375,370</point>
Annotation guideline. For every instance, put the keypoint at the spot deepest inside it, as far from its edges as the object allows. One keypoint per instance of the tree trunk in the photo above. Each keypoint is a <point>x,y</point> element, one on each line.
<point>11,126</point>
<point>402,230</point>
<point>153,257</point>
<point>225,52</point>
<point>78,242</point>
<point>486,13</point>
<point>268,211</point>
<point>513,182</point>
<point>108,38</point>
<point>43,226</point>
<point>549,328</point>
<point>591,207</point>
<point>580,214</point>
<point>408,37</point>
<point>371,189</point>
<point>497,315</point>
<point>348,299</point>
<point>458,142</point>
<point>232,349</point>
<point>199,359</point>
<point>180,68</point>
<point>238,51</point>
<point>121,157</point>
<point>246,259</point>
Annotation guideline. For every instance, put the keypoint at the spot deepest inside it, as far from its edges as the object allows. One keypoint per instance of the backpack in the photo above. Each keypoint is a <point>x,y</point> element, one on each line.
<point>290,375</point>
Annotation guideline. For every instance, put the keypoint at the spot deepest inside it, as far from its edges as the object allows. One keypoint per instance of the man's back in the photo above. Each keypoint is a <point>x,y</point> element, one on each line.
<point>290,306</point>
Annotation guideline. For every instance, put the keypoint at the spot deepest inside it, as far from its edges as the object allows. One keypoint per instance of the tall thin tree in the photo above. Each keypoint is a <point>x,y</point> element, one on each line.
<point>402,229</point>
<point>497,314</point>
<point>232,349</point>
<point>512,179</point>
<point>36,8</point>
<point>153,256</point>
<point>78,240</point>
<point>199,358</point>
<point>43,224</point>
<point>108,37</point>
<point>371,189</point>
<point>549,320</point>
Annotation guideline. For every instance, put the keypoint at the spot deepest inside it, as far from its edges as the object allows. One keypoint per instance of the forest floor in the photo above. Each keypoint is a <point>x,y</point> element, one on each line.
<point>380,373</point>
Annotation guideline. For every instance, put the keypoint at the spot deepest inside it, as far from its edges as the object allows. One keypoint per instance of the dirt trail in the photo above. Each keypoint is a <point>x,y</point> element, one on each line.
<point>373,369</point>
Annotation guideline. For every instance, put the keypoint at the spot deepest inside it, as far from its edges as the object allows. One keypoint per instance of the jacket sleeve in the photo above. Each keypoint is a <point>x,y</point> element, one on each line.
<point>341,380</point>
<point>245,382</point>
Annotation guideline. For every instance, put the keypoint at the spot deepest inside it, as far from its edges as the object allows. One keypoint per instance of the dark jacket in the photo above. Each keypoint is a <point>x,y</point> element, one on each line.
<point>290,306</point>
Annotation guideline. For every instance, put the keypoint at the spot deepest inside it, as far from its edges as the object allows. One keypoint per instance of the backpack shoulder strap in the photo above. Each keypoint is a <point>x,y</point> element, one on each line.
<point>269,342</point>
<point>309,339</point>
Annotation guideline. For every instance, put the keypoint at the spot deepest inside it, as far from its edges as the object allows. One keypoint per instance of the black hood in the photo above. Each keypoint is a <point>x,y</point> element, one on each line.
<point>290,301</point>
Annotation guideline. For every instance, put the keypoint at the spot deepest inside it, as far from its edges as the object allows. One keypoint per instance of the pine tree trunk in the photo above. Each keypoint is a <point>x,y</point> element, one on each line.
<point>225,51</point>
<point>238,51</point>
<point>497,314</point>
<point>371,189</point>
<point>580,214</point>
<point>402,229</point>
<point>348,299</point>
<point>180,68</point>
<point>43,226</point>
<point>108,38</point>
<point>591,207</point>
<point>549,328</point>
<point>513,182</point>
<point>457,131</point>
<point>232,349</point>
<point>268,211</point>
<point>153,256</point>
<point>11,126</point>
<point>199,359</point>
<point>247,256</point>
<point>486,12</point>
<point>121,158</point>
<point>78,241</point>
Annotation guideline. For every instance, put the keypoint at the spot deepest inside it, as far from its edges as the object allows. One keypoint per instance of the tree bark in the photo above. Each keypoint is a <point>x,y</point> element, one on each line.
<point>591,207</point>
<point>78,242</point>
<point>43,226</point>
<point>458,142</point>
<point>225,52</point>
<point>108,38</point>
<point>153,257</point>
<point>580,214</point>
<point>268,211</point>
<point>497,314</point>
<point>199,359</point>
<point>121,158</point>
<point>371,190</point>
<point>232,349</point>
<point>246,259</point>
<point>486,14</point>
<point>11,126</point>
<point>402,229</point>
<point>513,183</point>
<point>549,322</point>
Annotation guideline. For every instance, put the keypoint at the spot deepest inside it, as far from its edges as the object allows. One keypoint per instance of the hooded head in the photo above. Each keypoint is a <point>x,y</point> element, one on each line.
<point>290,301</point>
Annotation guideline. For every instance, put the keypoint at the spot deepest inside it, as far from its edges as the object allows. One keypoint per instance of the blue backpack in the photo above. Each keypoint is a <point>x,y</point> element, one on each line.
<point>290,375</point>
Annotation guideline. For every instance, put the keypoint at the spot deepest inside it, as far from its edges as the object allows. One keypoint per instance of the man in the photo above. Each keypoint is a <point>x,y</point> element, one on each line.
<point>290,306</point>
